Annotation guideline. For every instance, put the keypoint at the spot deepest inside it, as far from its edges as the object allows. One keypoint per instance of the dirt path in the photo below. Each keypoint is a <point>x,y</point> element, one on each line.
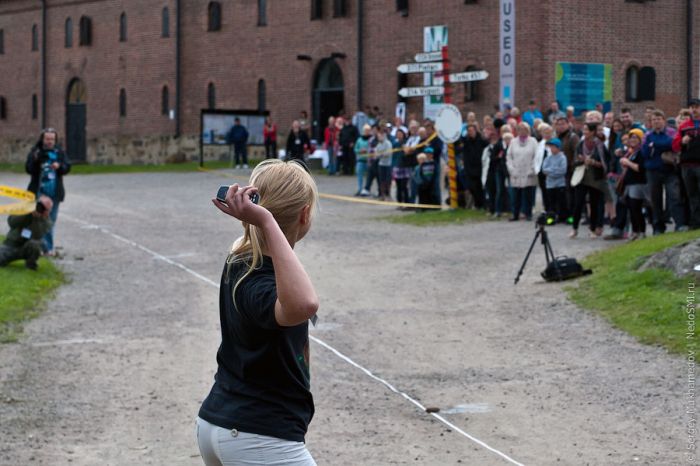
<point>114,371</point>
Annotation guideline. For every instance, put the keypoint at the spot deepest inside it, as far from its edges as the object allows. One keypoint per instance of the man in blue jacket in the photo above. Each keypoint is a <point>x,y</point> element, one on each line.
<point>238,138</point>
<point>662,174</point>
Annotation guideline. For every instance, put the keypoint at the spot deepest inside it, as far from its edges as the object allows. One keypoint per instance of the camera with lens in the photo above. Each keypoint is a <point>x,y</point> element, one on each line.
<point>546,218</point>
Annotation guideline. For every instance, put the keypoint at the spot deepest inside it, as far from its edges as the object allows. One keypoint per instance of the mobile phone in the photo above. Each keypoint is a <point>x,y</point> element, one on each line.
<point>221,195</point>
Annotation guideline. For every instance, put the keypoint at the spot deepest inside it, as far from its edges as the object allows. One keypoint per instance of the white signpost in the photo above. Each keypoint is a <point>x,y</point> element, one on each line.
<point>468,76</point>
<point>419,67</point>
<point>448,121</point>
<point>421,91</point>
<point>428,56</point>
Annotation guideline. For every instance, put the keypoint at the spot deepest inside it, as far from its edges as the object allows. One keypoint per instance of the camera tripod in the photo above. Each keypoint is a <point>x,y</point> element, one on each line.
<point>548,252</point>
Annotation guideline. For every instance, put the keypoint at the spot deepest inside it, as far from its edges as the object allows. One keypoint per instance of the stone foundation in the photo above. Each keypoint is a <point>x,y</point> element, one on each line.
<point>124,150</point>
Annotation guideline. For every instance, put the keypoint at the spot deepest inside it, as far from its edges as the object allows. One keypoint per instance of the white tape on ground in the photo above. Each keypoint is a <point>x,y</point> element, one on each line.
<point>317,340</point>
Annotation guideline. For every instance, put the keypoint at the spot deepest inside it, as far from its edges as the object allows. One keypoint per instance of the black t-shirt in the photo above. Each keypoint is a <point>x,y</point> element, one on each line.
<point>262,383</point>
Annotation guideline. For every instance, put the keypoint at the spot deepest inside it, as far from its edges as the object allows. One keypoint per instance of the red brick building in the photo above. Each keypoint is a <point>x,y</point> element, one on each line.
<point>130,77</point>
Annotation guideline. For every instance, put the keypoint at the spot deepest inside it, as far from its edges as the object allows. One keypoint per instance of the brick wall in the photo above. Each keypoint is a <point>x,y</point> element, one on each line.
<point>235,58</point>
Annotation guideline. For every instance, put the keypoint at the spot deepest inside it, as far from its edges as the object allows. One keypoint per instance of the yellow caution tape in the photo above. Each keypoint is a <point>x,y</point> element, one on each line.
<point>16,193</point>
<point>18,208</point>
<point>28,204</point>
<point>359,200</point>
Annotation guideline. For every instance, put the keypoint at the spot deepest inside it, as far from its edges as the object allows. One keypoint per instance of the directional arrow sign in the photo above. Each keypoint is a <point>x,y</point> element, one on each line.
<point>428,56</point>
<point>419,67</point>
<point>421,91</point>
<point>468,76</point>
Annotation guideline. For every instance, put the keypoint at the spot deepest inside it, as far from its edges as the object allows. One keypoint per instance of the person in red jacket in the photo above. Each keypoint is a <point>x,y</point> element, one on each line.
<point>270,138</point>
<point>687,142</point>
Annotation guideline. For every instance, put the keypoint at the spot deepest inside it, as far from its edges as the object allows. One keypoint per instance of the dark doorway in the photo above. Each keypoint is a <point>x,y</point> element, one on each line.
<point>76,120</point>
<point>328,95</point>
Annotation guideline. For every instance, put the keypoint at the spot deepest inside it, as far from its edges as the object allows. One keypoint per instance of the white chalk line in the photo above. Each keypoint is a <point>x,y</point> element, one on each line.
<point>315,339</point>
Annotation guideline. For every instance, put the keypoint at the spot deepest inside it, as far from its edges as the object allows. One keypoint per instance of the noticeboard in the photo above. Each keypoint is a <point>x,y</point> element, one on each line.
<point>215,125</point>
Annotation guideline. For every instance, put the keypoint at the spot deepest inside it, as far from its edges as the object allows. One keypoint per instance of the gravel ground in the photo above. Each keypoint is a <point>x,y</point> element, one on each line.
<point>115,369</point>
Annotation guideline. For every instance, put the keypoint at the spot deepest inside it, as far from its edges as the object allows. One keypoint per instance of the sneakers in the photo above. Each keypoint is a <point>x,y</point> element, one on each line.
<point>364,193</point>
<point>682,228</point>
<point>31,265</point>
<point>238,167</point>
<point>245,166</point>
<point>636,236</point>
<point>573,234</point>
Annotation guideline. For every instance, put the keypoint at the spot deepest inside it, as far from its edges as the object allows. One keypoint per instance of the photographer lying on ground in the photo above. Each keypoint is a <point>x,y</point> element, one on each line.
<point>24,241</point>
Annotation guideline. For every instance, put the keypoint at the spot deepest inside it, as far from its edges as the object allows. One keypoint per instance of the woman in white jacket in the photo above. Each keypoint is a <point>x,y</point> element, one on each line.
<point>520,161</point>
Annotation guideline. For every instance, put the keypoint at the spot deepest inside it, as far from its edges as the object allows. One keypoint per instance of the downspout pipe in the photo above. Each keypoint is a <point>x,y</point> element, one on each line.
<point>689,46</point>
<point>178,68</point>
<point>360,51</point>
<point>43,63</point>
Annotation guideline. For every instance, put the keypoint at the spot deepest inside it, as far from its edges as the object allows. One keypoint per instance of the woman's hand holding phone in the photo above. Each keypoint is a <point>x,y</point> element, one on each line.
<point>241,203</point>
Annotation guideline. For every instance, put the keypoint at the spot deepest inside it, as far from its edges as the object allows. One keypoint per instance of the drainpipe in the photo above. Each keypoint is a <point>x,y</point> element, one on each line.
<point>43,63</point>
<point>689,46</point>
<point>178,80</point>
<point>360,44</point>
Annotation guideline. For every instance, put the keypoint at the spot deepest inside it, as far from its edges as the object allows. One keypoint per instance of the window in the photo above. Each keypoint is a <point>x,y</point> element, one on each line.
<point>69,33</point>
<point>262,13</point>
<point>35,107</point>
<point>85,31</point>
<point>402,7</point>
<point>214,16</point>
<point>646,86</point>
<point>316,9</point>
<point>165,101</point>
<point>339,8</point>
<point>470,87</point>
<point>122,28</point>
<point>3,108</point>
<point>2,41</point>
<point>262,95</point>
<point>211,96</point>
<point>35,38</point>
<point>122,103</point>
<point>631,84</point>
<point>165,23</point>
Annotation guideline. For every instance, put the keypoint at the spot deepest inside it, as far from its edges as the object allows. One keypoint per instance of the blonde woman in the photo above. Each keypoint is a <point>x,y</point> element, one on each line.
<point>260,406</point>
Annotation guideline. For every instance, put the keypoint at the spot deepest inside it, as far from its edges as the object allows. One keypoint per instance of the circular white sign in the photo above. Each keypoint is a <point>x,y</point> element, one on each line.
<point>449,123</point>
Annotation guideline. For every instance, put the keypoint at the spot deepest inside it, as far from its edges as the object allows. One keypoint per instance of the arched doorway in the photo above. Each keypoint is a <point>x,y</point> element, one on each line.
<point>328,97</point>
<point>76,120</point>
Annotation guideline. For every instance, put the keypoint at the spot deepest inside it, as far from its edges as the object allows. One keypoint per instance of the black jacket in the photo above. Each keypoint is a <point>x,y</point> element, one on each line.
<point>297,145</point>
<point>37,156</point>
<point>472,150</point>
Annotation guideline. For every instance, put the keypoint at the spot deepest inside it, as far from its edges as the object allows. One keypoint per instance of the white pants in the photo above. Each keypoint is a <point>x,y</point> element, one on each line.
<point>224,447</point>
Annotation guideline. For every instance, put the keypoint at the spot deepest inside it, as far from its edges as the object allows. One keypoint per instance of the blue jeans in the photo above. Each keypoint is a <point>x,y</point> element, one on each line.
<point>48,239</point>
<point>331,162</point>
<point>360,170</point>
<point>657,182</point>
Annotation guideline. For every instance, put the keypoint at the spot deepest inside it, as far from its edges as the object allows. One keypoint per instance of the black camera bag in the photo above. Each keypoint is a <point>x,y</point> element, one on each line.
<point>564,268</point>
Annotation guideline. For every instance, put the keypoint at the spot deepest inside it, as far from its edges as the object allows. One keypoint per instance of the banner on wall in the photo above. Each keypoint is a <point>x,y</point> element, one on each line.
<point>583,85</point>
<point>434,38</point>
<point>507,53</point>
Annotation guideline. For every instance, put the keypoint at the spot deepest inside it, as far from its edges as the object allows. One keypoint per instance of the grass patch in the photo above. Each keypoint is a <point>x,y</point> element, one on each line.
<point>23,294</point>
<point>85,169</point>
<point>650,304</point>
<point>439,217</point>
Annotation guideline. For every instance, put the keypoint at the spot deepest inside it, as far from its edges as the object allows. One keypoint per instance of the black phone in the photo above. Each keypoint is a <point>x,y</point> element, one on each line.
<point>221,195</point>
